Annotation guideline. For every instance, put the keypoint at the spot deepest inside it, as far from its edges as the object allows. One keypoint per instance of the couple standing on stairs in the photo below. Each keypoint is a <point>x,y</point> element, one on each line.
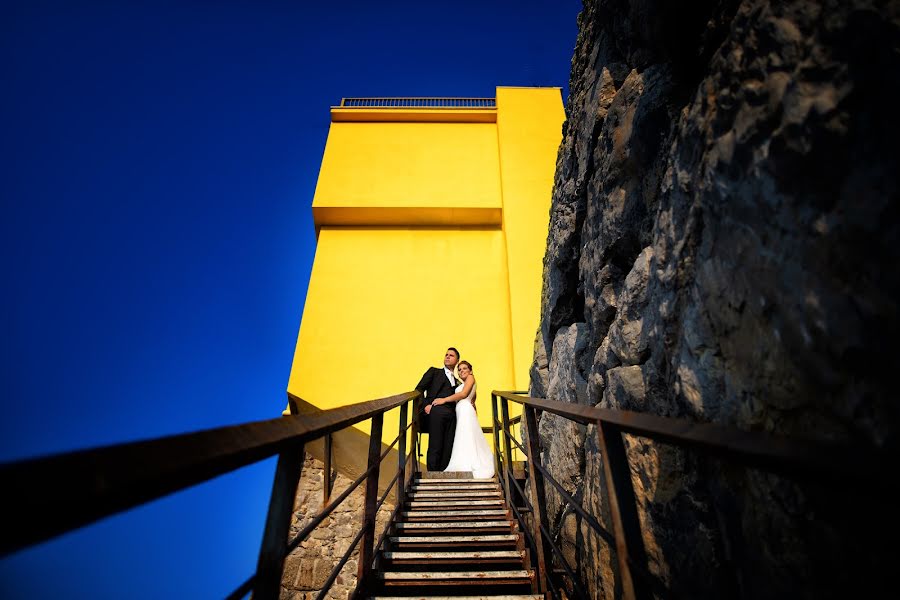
<point>455,440</point>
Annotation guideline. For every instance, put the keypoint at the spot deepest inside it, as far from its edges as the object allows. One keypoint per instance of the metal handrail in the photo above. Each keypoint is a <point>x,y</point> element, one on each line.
<point>419,102</point>
<point>800,458</point>
<point>757,449</point>
<point>332,577</point>
<point>104,481</point>
<point>323,514</point>
<point>588,518</point>
<point>553,547</point>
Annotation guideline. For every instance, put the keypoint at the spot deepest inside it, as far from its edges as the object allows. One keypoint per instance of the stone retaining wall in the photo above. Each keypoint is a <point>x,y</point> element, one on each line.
<point>308,567</point>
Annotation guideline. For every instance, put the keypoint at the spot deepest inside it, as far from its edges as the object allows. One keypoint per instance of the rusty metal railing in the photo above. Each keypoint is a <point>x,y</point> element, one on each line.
<point>818,461</point>
<point>104,481</point>
<point>423,102</point>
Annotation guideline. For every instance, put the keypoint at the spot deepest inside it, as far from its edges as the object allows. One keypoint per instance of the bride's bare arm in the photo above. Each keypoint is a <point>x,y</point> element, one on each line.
<point>467,387</point>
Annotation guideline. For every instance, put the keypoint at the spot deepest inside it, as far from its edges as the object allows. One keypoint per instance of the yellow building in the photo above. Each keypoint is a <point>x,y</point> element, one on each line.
<point>431,218</point>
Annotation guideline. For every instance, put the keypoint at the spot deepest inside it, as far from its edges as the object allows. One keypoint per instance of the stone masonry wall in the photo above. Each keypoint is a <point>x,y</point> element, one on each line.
<point>723,247</point>
<point>308,567</point>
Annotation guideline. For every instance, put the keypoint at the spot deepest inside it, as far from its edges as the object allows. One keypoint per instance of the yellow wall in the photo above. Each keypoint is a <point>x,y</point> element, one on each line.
<point>410,164</point>
<point>425,230</point>
<point>384,304</point>
<point>529,130</point>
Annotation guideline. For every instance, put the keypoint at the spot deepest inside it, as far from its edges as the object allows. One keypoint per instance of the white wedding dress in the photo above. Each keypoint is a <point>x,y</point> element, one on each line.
<point>470,450</point>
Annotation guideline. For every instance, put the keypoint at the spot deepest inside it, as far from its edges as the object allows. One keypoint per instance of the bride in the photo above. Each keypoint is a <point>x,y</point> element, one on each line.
<point>470,450</point>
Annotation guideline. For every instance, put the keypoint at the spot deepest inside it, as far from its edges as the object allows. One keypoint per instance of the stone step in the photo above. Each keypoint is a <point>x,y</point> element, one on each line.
<point>504,539</point>
<point>456,577</point>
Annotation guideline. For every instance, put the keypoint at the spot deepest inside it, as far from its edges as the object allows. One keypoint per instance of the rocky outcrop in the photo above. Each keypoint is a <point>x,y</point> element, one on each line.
<point>723,245</point>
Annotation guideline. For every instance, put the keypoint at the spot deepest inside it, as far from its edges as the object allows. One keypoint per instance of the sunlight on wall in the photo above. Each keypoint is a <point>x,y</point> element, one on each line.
<point>430,234</point>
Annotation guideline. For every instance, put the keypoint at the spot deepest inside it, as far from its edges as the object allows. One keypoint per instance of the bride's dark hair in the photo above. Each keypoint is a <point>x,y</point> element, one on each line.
<point>467,363</point>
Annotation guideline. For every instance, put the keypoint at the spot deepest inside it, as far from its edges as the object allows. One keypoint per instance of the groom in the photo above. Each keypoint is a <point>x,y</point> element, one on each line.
<point>439,420</point>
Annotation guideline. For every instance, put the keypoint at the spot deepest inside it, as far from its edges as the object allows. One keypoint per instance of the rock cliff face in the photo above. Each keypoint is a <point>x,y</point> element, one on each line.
<point>724,246</point>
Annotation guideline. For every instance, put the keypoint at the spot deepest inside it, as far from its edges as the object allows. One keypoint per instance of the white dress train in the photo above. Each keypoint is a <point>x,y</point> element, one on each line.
<point>470,450</point>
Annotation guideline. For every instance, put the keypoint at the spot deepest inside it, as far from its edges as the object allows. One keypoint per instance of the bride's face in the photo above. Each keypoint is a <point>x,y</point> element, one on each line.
<point>464,371</point>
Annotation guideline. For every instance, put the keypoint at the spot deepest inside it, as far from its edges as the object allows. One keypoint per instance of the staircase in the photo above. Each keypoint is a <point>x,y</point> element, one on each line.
<point>454,537</point>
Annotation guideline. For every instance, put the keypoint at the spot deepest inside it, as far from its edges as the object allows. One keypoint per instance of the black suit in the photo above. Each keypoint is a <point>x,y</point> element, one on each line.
<point>441,423</point>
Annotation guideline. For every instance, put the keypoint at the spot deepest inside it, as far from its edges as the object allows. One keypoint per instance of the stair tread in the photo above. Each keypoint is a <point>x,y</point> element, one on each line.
<point>446,555</point>
<point>442,484</point>
<point>428,504</point>
<point>455,488</point>
<point>441,480</point>
<point>484,490</point>
<point>475,490</point>
<point>454,525</point>
<point>411,539</point>
<point>446,475</point>
<point>503,597</point>
<point>443,576</point>
<point>443,513</point>
<point>454,495</point>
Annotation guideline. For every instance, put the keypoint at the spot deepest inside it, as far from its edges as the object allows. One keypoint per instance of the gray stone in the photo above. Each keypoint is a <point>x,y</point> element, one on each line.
<point>566,380</point>
<point>624,388</point>
<point>539,373</point>
<point>307,568</point>
<point>722,247</point>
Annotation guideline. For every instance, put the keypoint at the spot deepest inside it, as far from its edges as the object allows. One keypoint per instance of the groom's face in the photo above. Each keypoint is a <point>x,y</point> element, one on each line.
<point>450,359</point>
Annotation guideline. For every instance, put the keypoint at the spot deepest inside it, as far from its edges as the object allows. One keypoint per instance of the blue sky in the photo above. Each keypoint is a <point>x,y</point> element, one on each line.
<point>158,164</point>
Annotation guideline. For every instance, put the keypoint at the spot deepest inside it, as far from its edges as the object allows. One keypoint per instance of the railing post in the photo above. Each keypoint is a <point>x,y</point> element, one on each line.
<point>497,462</point>
<point>366,548</point>
<point>401,450</point>
<point>270,565</point>
<point>622,509</point>
<point>536,480</point>
<point>507,449</point>
<point>414,437</point>
<point>326,482</point>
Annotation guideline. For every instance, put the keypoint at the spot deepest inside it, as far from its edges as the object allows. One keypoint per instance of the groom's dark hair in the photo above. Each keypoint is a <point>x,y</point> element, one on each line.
<point>455,350</point>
